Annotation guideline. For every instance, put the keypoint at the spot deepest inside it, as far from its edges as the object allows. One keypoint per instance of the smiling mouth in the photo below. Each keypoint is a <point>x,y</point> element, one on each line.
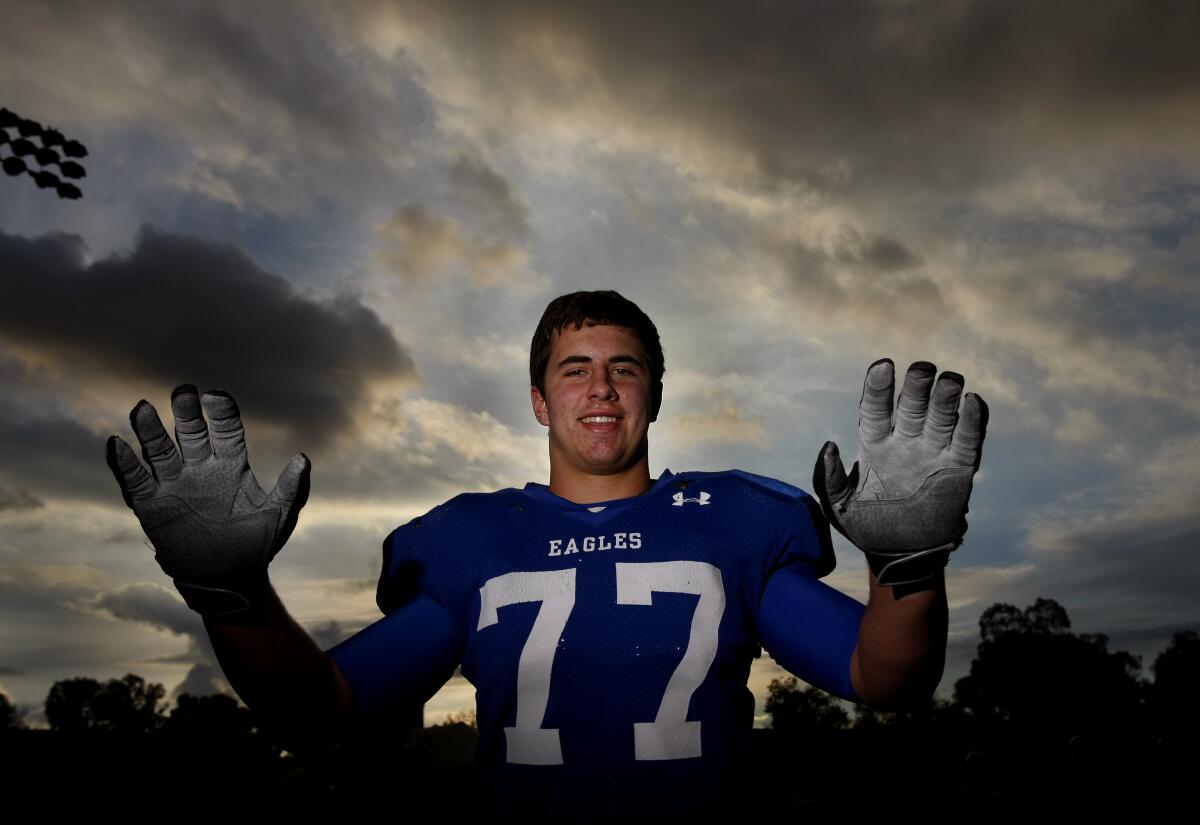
<point>600,423</point>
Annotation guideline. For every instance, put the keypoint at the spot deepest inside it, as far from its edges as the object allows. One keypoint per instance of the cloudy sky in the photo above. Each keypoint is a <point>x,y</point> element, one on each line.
<point>352,215</point>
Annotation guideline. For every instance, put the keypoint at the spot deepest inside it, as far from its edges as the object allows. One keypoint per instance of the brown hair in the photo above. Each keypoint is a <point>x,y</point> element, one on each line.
<point>599,308</point>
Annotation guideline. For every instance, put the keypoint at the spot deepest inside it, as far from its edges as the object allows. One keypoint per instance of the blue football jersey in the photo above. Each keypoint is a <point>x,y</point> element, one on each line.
<point>609,643</point>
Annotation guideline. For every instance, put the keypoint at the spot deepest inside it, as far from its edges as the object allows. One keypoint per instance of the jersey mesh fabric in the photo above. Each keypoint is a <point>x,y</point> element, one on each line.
<point>646,619</point>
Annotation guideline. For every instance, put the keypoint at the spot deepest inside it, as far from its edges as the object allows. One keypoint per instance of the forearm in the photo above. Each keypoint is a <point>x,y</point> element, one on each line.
<point>901,650</point>
<point>281,674</point>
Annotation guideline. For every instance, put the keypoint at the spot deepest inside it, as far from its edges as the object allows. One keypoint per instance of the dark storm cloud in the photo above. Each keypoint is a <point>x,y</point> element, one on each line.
<point>18,499</point>
<point>272,54</point>
<point>152,605</point>
<point>1152,560</point>
<point>489,194</point>
<point>842,96</point>
<point>50,452</point>
<point>871,278</point>
<point>178,309</point>
<point>879,252</point>
<point>46,450</point>
<point>158,607</point>
<point>276,111</point>
<point>48,625</point>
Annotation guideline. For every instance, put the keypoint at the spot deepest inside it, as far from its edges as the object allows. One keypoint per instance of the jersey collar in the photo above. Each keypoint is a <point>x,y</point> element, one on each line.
<point>541,494</point>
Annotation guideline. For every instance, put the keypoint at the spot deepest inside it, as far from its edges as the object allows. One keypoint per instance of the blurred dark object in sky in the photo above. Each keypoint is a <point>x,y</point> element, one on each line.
<point>43,154</point>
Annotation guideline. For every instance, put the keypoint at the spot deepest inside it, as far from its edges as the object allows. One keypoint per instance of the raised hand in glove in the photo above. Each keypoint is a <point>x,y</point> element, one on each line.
<point>213,528</point>
<point>904,503</point>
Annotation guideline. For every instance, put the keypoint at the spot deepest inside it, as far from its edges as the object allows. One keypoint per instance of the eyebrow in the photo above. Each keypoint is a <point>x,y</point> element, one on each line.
<point>586,359</point>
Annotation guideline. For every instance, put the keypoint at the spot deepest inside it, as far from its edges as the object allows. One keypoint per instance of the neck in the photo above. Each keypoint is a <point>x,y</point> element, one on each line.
<point>586,488</point>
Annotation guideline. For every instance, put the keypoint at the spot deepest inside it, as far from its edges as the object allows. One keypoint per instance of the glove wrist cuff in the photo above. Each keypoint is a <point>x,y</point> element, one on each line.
<point>902,568</point>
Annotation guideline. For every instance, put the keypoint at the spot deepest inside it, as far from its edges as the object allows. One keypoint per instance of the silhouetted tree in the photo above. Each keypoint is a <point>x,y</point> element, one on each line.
<point>10,717</point>
<point>792,708</point>
<point>462,717</point>
<point>215,737</point>
<point>217,717</point>
<point>128,704</point>
<point>1046,616</point>
<point>1032,674</point>
<point>1176,688</point>
<point>1000,619</point>
<point>1043,616</point>
<point>69,704</point>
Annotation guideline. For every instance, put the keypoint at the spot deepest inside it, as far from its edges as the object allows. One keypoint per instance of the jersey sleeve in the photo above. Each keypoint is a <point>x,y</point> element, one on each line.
<point>403,658</point>
<point>810,628</point>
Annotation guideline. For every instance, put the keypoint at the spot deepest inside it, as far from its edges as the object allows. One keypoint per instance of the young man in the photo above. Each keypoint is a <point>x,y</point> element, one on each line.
<point>608,620</point>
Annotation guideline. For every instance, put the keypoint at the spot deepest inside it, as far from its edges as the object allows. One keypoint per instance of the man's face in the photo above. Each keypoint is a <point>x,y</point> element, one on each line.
<point>597,371</point>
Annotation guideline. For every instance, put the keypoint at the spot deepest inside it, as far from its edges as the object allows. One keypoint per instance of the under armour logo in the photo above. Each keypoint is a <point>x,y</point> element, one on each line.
<point>679,499</point>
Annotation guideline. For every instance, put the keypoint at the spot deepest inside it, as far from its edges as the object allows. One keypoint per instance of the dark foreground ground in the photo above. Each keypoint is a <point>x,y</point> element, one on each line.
<point>836,772</point>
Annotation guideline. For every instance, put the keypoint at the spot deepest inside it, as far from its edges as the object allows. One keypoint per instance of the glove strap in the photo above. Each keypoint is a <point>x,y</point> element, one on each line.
<point>893,569</point>
<point>225,604</point>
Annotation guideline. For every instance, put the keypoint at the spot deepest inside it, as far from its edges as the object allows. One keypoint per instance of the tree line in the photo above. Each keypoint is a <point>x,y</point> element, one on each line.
<point>1032,676</point>
<point>1044,713</point>
<point>1045,717</point>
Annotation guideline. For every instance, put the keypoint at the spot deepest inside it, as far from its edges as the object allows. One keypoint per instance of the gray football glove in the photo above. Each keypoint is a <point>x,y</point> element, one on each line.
<point>905,501</point>
<point>213,528</point>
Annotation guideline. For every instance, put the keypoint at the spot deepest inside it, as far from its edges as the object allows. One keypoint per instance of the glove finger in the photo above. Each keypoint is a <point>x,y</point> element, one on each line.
<point>943,410</point>
<point>191,430</point>
<point>157,447</point>
<point>913,402</point>
<point>966,447</point>
<point>829,476</point>
<point>225,425</point>
<point>875,406</point>
<point>135,483</point>
<point>290,495</point>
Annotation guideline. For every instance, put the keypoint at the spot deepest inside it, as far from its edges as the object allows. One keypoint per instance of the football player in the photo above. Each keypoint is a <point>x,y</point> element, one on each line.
<point>607,619</point>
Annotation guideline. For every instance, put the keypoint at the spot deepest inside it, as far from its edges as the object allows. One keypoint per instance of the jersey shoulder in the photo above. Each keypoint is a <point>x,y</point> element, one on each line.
<point>746,484</point>
<point>425,553</point>
<point>800,524</point>
<point>766,484</point>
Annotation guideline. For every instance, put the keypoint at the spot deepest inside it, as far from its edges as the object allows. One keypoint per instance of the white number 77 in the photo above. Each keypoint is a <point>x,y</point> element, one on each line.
<point>670,735</point>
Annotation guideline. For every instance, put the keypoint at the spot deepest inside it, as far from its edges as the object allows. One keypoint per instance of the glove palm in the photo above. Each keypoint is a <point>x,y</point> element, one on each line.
<point>213,528</point>
<point>904,503</point>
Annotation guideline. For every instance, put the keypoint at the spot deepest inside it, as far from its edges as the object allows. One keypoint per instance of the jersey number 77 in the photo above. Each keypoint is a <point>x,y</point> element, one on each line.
<point>670,735</point>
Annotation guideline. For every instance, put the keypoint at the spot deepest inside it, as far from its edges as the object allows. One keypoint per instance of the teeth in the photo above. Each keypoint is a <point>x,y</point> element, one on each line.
<point>599,419</point>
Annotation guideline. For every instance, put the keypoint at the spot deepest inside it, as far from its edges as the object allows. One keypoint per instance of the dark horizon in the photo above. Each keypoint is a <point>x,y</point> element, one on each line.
<point>373,204</point>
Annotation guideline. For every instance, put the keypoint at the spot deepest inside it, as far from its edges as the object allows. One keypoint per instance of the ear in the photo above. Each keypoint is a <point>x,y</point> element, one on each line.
<point>655,400</point>
<point>540,412</point>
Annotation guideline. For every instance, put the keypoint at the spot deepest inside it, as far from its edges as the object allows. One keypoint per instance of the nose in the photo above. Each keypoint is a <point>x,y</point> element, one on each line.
<point>601,387</point>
